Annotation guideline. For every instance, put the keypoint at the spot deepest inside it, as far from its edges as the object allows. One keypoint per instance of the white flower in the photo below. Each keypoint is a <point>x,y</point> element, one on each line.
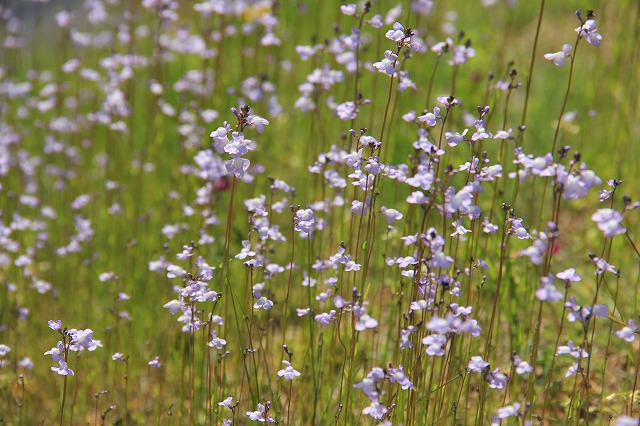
<point>559,57</point>
<point>608,221</point>
<point>288,372</point>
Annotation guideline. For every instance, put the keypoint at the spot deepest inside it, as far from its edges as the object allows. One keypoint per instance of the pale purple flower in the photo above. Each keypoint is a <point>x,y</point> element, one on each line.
<point>63,369</point>
<point>435,344</point>
<point>303,312</point>
<point>396,34</point>
<point>246,250</point>
<point>237,166</point>
<point>547,291</point>
<point>83,339</point>
<point>375,410</point>
<point>55,325</point>
<point>569,275</point>
<point>628,333</point>
<point>573,350</point>
<point>325,318</point>
<point>391,215</point>
<point>477,364</point>
<point>216,342</point>
<point>589,31</point>
<point>454,138</point>
<point>227,402</point>
<point>608,221</point>
<point>348,9</point>
<point>238,146</point>
<point>430,118</point>
<point>347,110</point>
<point>497,379</point>
<point>522,367</point>
<point>509,411</point>
<point>4,350</point>
<point>259,414</point>
<point>263,303</point>
<point>559,57</point>
<point>396,375</point>
<point>288,372</point>
<point>364,322</point>
<point>439,325</point>
<point>602,265</point>
<point>387,65</point>
<point>573,369</point>
<point>626,421</point>
<point>173,306</point>
<point>56,353</point>
<point>417,197</point>
<point>257,122</point>
<point>376,21</point>
<point>26,363</point>
<point>304,221</point>
<point>155,363</point>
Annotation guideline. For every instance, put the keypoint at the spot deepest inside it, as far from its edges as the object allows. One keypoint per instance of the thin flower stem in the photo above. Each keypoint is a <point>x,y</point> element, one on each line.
<point>532,63</point>
<point>555,349</point>
<point>566,95</point>
<point>312,342</point>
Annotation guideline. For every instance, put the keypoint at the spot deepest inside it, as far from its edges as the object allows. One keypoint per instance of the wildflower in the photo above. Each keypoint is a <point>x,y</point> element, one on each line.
<point>454,138</point>
<point>263,303</point>
<point>347,110</point>
<point>559,57</point>
<point>608,221</point>
<point>173,306</point>
<point>589,31</point>
<point>55,325</point>
<point>4,350</point>
<point>262,413</point>
<point>375,410</point>
<point>573,369</point>
<point>388,64</point>
<point>364,320</point>
<point>496,379</point>
<point>435,344</point>
<point>289,372</point>
<point>83,339</point>
<point>25,363</point>
<point>509,411</point>
<point>431,118</point>
<point>477,364</point>
<point>391,215</point>
<point>547,291</point>
<point>602,266</point>
<point>63,369</point>
<point>325,318</point>
<point>522,367</point>
<point>626,421</point>
<point>628,333</point>
<point>227,402</point>
<point>573,350</point>
<point>237,166</point>
<point>56,353</point>
<point>569,275</point>
<point>348,9</point>
<point>304,220</point>
<point>155,363</point>
<point>216,342</point>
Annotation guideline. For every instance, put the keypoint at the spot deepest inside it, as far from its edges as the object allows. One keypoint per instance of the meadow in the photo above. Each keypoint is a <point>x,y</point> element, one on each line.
<point>313,212</point>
